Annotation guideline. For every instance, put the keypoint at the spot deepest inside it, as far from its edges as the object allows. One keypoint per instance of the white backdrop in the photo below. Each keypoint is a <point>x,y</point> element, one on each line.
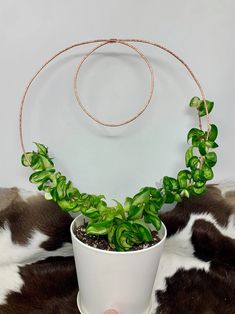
<point>114,85</point>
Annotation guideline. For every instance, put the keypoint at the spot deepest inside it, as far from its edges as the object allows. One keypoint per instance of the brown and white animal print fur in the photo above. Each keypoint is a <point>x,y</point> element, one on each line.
<point>197,270</point>
<point>196,273</point>
<point>31,230</point>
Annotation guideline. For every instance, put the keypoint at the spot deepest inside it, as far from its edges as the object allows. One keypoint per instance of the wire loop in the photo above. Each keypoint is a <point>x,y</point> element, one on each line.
<point>114,41</point>
<point>106,41</point>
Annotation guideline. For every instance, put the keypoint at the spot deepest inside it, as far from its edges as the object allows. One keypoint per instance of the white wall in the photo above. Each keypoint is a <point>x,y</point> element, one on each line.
<point>115,162</point>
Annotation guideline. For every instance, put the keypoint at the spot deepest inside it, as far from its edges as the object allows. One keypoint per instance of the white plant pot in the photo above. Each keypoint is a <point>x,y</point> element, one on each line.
<point>115,280</point>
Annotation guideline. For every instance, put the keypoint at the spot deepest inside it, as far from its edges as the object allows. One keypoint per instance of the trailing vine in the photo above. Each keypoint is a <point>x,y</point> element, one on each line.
<point>129,224</point>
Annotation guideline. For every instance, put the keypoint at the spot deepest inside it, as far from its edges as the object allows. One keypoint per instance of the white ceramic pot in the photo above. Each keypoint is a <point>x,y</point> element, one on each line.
<point>116,280</point>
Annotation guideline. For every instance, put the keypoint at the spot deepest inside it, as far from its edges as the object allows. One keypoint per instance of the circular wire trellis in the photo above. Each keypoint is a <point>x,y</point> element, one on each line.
<point>103,42</point>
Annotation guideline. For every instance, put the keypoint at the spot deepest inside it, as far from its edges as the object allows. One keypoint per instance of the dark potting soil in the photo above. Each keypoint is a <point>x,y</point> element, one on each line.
<point>100,242</point>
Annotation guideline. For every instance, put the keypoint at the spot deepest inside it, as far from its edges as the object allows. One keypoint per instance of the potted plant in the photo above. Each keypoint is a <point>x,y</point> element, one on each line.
<point>117,248</point>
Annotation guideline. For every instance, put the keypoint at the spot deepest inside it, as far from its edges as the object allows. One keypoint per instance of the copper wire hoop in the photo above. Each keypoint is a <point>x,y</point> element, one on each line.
<point>110,40</point>
<point>151,84</point>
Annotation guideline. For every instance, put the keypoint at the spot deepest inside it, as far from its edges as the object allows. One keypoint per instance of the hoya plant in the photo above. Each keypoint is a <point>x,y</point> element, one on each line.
<point>129,224</point>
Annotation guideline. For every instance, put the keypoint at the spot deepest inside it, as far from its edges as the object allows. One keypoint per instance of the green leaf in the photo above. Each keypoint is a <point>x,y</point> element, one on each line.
<point>185,193</point>
<point>203,149</point>
<point>196,141</point>
<point>154,193</point>
<point>124,241</point>
<point>183,177</point>
<point>158,203</point>
<point>26,159</point>
<point>193,162</point>
<point>199,184</point>
<point>54,195</point>
<point>121,236</point>
<point>110,214</point>
<point>133,235</point>
<point>188,155</point>
<point>118,221</point>
<point>154,220</point>
<point>37,164</point>
<point>197,175</point>
<point>111,234</point>
<point>40,162</point>
<point>42,149</point>
<point>178,198</point>
<point>207,172</point>
<point>48,196</point>
<point>71,191</point>
<point>194,102</point>
<point>67,204</point>
<point>213,133</point>
<point>202,107</point>
<point>170,184</point>
<point>210,144</point>
<point>61,187</point>
<point>169,198</point>
<point>100,228</point>
<point>197,133</point>
<point>140,198</point>
<point>144,231</point>
<point>199,191</point>
<point>42,185</point>
<point>211,159</point>
<point>135,212</point>
<point>166,183</point>
<point>39,176</point>
<point>120,209</point>
<point>174,183</point>
<point>127,203</point>
<point>47,162</point>
<point>150,209</point>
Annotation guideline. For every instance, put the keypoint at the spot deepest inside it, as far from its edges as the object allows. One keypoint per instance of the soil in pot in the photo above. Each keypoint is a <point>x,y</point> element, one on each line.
<point>100,242</point>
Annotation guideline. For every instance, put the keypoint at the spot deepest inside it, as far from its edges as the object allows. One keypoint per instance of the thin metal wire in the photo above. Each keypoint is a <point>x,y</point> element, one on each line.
<point>109,41</point>
<point>150,93</point>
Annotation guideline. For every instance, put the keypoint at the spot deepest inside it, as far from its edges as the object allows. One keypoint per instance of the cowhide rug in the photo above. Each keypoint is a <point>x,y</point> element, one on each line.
<point>196,272</point>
